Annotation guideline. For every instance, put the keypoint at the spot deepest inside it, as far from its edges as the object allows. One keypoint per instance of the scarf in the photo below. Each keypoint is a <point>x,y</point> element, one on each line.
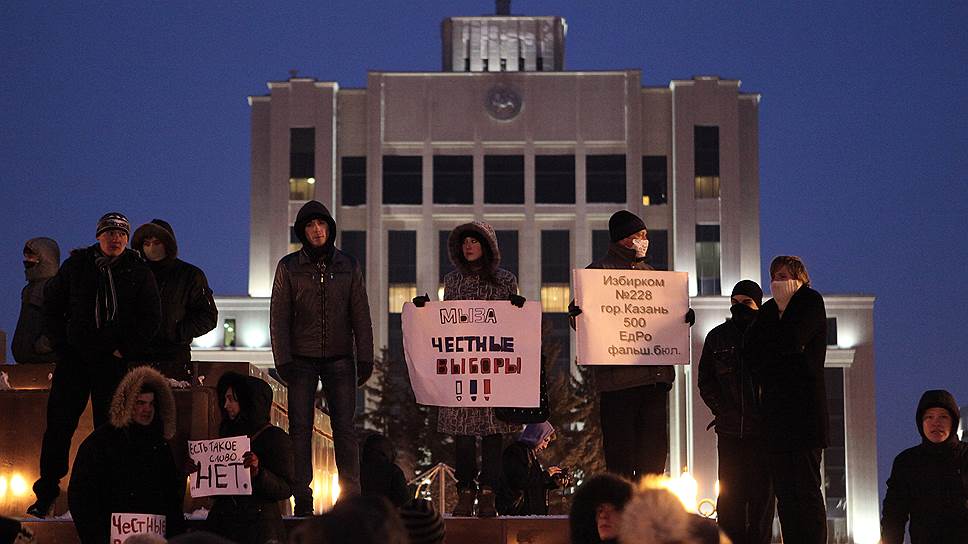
<point>106,302</point>
<point>783,291</point>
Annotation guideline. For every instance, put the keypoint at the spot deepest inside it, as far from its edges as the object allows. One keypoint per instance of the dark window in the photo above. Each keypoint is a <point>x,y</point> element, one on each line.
<point>293,237</point>
<point>835,456</point>
<point>453,179</point>
<point>507,243</point>
<point>503,179</point>
<point>554,179</point>
<point>659,249</point>
<point>444,265</point>
<point>555,256</point>
<point>555,341</point>
<point>707,259</point>
<point>395,337</point>
<point>353,243</point>
<point>831,331</point>
<point>539,64</point>
<point>353,171</point>
<point>655,180</point>
<point>302,152</point>
<point>600,242</point>
<point>402,256</point>
<point>706,161</point>
<point>402,179</point>
<point>605,178</point>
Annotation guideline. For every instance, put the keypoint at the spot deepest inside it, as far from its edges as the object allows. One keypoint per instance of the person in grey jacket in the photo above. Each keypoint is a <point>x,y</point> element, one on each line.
<point>319,322</point>
<point>30,344</point>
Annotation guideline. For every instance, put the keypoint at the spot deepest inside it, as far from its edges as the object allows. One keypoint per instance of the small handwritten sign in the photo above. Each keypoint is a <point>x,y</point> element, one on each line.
<point>221,471</point>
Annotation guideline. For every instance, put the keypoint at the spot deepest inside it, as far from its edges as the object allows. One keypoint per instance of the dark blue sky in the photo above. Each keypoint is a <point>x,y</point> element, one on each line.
<point>140,107</point>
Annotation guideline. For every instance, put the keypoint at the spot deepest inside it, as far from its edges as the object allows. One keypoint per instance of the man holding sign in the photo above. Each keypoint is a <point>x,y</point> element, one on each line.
<point>633,398</point>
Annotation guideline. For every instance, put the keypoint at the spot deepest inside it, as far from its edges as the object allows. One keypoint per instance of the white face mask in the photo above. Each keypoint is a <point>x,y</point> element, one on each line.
<point>783,291</point>
<point>154,252</point>
<point>641,247</point>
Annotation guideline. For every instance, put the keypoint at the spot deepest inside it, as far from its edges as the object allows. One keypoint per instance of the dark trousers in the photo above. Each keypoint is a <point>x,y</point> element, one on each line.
<point>799,501</point>
<point>338,377</point>
<point>75,379</point>
<point>635,432</point>
<point>466,474</point>
<point>746,504</point>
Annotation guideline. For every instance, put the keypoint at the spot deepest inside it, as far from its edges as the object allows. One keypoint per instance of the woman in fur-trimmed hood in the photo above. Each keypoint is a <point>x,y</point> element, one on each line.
<point>126,465</point>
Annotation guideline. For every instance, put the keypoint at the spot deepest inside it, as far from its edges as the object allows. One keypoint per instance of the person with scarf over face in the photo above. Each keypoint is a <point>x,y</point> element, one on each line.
<point>524,482</point>
<point>477,275</point>
<point>928,486</point>
<point>126,465</point>
<point>100,312</point>
<point>30,344</point>
<point>745,505</point>
<point>319,322</point>
<point>256,518</point>
<point>786,346</point>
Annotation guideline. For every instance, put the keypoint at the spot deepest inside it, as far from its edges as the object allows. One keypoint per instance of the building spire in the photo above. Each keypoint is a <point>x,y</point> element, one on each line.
<point>502,7</point>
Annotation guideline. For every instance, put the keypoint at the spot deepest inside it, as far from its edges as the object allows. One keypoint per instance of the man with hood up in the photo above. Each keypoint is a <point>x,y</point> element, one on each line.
<point>187,306</point>
<point>524,482</point>
<point>319,321</point>
<point>379,474</point>
<point>30,344</point>
<point>929,482</point>
<point>126,465</point>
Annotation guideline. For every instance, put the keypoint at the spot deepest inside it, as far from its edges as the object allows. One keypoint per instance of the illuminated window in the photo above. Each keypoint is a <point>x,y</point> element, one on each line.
<point>554,179</point>
<point>398,295</point>
<point>402,179</point>
<point>555,297</point>
<point>605,178</point>
<point>555,270</point>
<point>353,181</point>
<point>453,179</point>
<point>706,161</point>
<point>302,163</point>
<point>228,326</point>
<point>707,259</point>
<point>504,179</point>
<point>655,180</point>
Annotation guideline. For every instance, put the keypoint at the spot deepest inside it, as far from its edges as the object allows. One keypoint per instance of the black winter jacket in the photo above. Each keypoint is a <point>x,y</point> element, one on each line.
<point>30,344</point>
<point>929,485</point>
<point>70,301</point>
<point>524,483</point>
<point>319,307</point>
<point>379,475</point>
<point>187,309</point>
<point>787,356</point>
<point>725,383</point>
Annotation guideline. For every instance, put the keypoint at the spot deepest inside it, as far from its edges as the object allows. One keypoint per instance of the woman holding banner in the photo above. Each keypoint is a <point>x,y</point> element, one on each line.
<point>256,518</point>
<point>477,275</point>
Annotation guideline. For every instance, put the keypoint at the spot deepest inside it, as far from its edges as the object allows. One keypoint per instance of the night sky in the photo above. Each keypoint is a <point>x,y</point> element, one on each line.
<point>140,107</point>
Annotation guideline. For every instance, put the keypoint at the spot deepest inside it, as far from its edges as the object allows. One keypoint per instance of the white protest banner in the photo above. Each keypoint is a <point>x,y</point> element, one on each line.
<point>632,317</point>
<point>124,526</point>
<point>474,353</point>
<point>221,471</point>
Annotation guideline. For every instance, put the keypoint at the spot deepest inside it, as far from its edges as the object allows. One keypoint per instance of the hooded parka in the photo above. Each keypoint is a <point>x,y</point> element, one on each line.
<point>30,344</point>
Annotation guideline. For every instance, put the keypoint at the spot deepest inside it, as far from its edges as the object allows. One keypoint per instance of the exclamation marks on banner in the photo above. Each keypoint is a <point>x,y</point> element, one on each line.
<point>487,390</point>
<point>473,390</point>
<point>459,391</point>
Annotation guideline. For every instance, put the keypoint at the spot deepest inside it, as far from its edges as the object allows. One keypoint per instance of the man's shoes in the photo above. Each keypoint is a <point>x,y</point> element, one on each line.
<point>303,508</point>
<point>485,503</point>
<point>465,503</point>
<point>40,509</point>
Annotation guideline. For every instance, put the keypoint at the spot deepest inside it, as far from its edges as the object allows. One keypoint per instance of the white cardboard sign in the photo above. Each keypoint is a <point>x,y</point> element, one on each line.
<point>124,526</point>
<point>221,471</point>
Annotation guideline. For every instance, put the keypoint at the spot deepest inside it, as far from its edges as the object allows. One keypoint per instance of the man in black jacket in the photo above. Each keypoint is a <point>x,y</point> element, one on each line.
<point>745,505</point>
<point>100,312</point>
<point>787,346</point>
<point>319,319</point>
<point>187,306</point>
<point>30,344</point>
<point>929,482</point>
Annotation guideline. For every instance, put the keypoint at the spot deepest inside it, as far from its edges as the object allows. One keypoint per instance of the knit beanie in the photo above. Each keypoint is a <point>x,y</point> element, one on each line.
<point>424,524</point>
<point>113,220</point>
<point>623,224</point>
<point>750,289</point>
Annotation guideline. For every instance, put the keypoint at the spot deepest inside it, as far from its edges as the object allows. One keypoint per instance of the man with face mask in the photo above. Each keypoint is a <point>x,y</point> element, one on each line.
<point>745,505</point>
<point>30,344</point>
<point>187,306</point>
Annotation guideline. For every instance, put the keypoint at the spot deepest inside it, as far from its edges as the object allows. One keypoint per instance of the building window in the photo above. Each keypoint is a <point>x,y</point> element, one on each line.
<point>605,178</point>
<point>443,256</point>
<point>554,179</point>
<point>295,244</point>
<point>658,255</point>
<point>353,243</point>
<point>831,331</point>
<point>353,179</point>
<point>302,163</point>
<point>655,180</point>
<point>600,242</point>
<point>402,179</point>
<point>453,179</point>
<point>707,259</point>
<point>504,179</point>
<point>835,458</point>
<point>555,270</point>
<point>706,161</point>
<point>401,268</point>
<point>507,243</point>
<point>228,329</point>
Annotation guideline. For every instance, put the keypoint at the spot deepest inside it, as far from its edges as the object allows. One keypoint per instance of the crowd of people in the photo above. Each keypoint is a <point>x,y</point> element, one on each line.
<point>118,322</point>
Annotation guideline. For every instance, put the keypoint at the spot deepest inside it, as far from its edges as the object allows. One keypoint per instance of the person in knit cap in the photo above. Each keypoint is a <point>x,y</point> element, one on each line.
<point>101,310</point>
<point>633,400</point>
<point>928,486</point>
<point>187,306</point>
<point>786,347</point>
<point>423,522</point>
<point>30,344</point>
<point>524,482</point>
<point>596,509</point>
<point>745,505</point>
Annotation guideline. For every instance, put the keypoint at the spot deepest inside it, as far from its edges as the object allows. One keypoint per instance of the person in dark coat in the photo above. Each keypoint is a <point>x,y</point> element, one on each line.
<point>187,306</point>
<point>30,343</point>
<point>745,506</point>
<point>379,475</point>
<point>928,485</point>
<point>633,400</point>
<point>126,465</point>
<point>787,346</point>
<point>256,518</point>
<point>596,509</point>
<point>524,482</point>
<point>477,275</point>
<point>100,312</point>
<point>319,321</point>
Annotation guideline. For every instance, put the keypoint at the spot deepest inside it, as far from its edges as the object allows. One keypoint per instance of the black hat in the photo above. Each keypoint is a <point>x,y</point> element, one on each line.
<point>424,524</point>
<point>749,288</point>
<point>623,224</point>
<point>113,221</point>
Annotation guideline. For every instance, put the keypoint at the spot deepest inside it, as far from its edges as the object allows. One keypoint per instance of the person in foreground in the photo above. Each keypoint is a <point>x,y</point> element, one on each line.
<point>596,509</point>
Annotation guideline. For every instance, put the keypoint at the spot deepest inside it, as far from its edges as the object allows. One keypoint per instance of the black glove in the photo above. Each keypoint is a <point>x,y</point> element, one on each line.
<point>518,300</point>
<point>573,311</point>
<point>691,317</point>
<point>420,301</point>
<point>364,369</point>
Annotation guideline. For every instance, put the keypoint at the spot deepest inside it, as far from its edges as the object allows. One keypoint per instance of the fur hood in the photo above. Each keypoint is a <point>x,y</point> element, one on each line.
<point>485,233</point>
<point>144,377</point>
<point>49,253</point>
<point>655,516</point>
